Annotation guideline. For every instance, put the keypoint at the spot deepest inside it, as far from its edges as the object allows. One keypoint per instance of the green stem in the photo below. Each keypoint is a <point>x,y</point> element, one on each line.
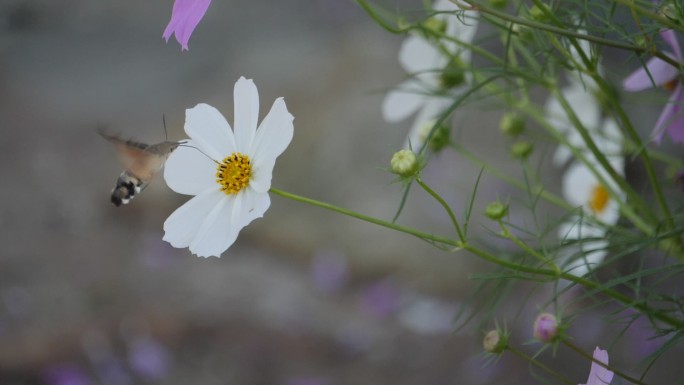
<point>445,206</point>
<point>591,358</point>
<point>459,245</point>
<point>662,20</point>
<point>366,218</point>
<point>536,190</point>
<point>644,155</point>
<point>476,5</point>
<point>541,366</point>
<point>507,234</point>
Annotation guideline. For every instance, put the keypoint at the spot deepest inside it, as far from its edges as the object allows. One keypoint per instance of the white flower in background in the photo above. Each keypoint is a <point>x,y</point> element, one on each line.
<point>604,132</point>
<point>581,188</point>
<point>438,69</point>
<point>228,171</point>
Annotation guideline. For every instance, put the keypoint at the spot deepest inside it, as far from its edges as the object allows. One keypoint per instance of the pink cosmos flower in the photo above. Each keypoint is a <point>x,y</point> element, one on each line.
<point>185,16</point>
<point>660,73</point>
<point>598,375</point>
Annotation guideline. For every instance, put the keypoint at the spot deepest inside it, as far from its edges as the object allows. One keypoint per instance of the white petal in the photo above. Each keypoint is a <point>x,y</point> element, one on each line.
<point>446,6</point>
<point>401,103</point>
<point>218,230</point>
<point>246,101</point>
<point>417,55</point>
<point>272,138</point>
<point>210,131</point>
<point>463,29</point>
<point>584,104</point>
<point>181,226</point>
<point>254,204</point>
<point>188,171</point>
<point>561,156</point>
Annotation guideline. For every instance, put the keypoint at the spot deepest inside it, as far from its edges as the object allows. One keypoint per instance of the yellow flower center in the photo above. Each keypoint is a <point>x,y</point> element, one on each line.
<point>233,173</point>
<point>599,199</point>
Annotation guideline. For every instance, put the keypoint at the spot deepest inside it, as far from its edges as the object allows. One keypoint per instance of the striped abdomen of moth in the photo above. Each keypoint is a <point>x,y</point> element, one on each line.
<point>141,162</point>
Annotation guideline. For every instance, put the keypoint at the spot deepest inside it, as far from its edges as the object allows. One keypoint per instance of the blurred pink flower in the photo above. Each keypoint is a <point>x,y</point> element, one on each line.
<point>658,73</point>
<point>185,16</point>
<point>598,375</point>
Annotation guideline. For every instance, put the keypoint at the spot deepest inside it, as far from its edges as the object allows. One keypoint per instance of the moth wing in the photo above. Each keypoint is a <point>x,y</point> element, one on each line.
<point>130,152</point>
<point>146,165</point>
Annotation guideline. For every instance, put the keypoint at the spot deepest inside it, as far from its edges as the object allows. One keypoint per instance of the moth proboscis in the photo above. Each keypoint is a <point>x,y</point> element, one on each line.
<point>141,162</point>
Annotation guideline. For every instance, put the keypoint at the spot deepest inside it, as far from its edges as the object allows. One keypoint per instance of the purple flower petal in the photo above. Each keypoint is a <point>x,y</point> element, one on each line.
<point>598,375</point>
<point>671,118</point>
<point>656,73</point>
<point>185,16</point>
<point>671,39</point>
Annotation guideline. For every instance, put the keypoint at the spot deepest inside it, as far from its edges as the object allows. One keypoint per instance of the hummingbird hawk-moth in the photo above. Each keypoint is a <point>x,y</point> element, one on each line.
<point>141,162</point>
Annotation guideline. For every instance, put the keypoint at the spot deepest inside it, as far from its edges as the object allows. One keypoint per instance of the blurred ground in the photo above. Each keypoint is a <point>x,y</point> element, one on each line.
<point>89,294</point>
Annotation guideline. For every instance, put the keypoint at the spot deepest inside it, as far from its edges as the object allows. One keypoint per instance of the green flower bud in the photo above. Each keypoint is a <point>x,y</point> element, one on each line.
<point>403,24</point>
<point>640,41</point>
<point>434,27</point>
<point>495,342</point>
<point>405,163</point>
<point>522,149</point>
<point>512,124</point>
<point>440,137</point>
<point>453,74</point>
<point>496,210</point>
<point>538,13</point>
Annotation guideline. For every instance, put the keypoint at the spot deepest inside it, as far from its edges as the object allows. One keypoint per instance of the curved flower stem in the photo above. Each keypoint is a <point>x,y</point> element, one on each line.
<point>445,205</point>
<point>541,366</point>
<point>589,357</point>
<point>460,245</point>
<point>379,222</point>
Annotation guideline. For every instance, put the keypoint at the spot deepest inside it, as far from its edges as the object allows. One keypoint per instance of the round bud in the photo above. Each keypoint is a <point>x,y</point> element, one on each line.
<point>496,210</point>
<point>494,342</point>
<point>522,149</point>
<point>512,124</point>
<point>404,163</point>
<point>545,327</point>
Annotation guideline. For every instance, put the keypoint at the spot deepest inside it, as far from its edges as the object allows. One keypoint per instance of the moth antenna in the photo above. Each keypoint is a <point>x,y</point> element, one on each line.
<point>183,144</point>
<point>166,134</point>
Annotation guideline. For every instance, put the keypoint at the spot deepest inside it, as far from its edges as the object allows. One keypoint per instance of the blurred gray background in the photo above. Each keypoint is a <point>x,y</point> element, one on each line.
<point>89,293</point>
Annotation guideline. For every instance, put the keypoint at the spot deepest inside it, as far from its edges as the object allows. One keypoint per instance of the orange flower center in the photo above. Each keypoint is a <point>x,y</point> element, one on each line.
<point>599,199</point>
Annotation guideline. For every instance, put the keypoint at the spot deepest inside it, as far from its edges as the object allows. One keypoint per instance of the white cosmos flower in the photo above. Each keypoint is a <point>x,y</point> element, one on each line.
<point>422,58</point>
<point>227,170</point>
<point>581,188</point>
